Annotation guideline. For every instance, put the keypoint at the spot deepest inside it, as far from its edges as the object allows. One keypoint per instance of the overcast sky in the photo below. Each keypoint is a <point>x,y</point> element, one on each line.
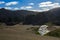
<point>34,5</point>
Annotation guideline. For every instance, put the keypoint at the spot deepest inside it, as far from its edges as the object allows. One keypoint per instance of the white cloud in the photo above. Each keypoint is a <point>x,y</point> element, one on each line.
<point>22,7</point>
<point>31,3</point>
<point>2,2</point>
<point>16,8</point>
<point>39,10</point>
<point>35,10</point>
<point>43,3</point>
<point>8,8</point>
<point>48,5</point>
<point>11,3</point>
<point>56,5</point>
<point>26,7</point>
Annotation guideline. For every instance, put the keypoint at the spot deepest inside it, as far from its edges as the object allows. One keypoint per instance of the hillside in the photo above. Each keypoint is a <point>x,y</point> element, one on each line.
<point>54,15</point>
<point>11,17</point>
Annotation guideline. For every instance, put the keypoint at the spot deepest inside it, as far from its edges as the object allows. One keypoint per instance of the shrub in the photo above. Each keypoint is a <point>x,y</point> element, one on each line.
<point>55,33</point>
<point>35,29</point>
<point>50,24</point>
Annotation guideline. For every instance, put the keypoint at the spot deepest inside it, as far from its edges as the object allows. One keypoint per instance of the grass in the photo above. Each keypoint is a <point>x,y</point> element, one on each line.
<point>55,33</point>
<point>35,30</point>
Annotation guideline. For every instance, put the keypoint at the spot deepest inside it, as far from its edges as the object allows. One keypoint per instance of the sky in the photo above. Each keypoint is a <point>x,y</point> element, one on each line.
<point>32,5</point>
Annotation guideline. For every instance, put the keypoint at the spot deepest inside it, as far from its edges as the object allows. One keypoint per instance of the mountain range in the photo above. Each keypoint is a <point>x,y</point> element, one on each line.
<point>29,17</point>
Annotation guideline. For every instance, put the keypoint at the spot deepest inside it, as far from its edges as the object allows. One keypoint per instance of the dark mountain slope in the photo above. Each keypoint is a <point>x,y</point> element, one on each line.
<point>54,15</point>
<point>13,17</point>
<point>30,17</point>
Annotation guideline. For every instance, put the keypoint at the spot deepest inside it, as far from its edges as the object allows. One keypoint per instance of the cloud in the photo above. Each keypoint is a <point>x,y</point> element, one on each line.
<point>31,3</point>
<point>16,8</point>
<point>26,7</point>
<point>39,10</point>
<point>8,8</point>
<point>55,5</point>
<point>44,9</point>
<point>48,5</point>
<point>2,2</point>
<point>45,3</point>
<point>35,10</point>
<point>11,3</point>
<point>22,7</point>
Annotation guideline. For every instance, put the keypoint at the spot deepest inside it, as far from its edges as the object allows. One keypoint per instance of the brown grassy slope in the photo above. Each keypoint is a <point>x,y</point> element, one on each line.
<point>19,32</point>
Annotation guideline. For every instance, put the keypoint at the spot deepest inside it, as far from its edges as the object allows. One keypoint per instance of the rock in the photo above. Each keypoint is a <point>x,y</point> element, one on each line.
<point>43,30</point>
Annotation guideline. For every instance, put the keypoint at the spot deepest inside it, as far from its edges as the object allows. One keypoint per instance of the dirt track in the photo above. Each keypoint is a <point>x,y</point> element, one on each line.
<point>19,32</point>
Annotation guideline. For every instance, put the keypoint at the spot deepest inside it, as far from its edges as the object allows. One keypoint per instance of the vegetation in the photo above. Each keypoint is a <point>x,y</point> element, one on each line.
<point>35,30</point>
<point>50,24</point>
<point>55,33</point>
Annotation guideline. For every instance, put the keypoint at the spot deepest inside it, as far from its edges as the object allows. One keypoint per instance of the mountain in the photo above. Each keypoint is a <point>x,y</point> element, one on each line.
<point>10,16</point>
<point>25,12</point>
<point>54,15</point>
<point>30,17</point>
<point>22,12</point>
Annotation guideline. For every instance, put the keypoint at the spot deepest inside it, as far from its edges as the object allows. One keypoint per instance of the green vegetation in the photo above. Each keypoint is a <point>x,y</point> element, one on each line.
<point>27,29</point>
<point>2,26</point>
<point>55,33</point>
<point>35,30</point>
<point>50,24</point>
